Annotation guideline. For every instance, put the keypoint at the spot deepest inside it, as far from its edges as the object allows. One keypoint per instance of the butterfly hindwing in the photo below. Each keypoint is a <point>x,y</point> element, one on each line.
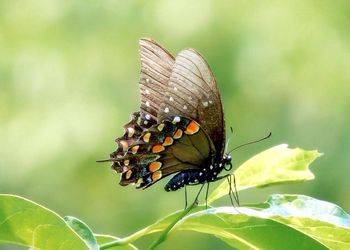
<point>132,131</point>
<point>163,149</point>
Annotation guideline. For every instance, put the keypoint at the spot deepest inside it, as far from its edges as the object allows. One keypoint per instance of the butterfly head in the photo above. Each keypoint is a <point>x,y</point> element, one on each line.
<point>226,161</point>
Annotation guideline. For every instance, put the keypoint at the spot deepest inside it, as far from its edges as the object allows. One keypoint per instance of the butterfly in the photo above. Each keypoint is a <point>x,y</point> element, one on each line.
<point>179,130</point>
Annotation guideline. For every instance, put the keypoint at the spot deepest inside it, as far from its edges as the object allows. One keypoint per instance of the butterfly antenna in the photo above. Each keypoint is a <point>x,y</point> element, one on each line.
<point>251,142</point>
<point>107,160</point>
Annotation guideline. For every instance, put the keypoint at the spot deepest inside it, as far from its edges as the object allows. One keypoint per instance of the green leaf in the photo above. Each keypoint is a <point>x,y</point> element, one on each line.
<point>103,239</point>
<point>158,226</point>
<point>276,165</point>
<point>26,223</point>
<point>247,229</point>
<point>288,222</point>
<point>83,231</point>
<point>321,220</point>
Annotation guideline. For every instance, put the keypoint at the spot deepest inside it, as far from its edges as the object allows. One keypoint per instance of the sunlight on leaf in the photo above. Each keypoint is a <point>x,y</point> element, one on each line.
<point>321,220</point>
<point>303,222</point>
<point>83,231</point>
<point>26,223</point>
<point>276,165</point>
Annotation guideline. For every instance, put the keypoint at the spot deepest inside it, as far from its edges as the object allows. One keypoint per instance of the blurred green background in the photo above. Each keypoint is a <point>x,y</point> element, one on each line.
<point>69,80</point>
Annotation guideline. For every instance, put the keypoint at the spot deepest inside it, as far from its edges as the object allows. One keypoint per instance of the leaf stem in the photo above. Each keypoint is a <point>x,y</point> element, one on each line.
<point>164,234</point>
<point>162,237</point>
<point>125,240</point>
<point>140,233</point>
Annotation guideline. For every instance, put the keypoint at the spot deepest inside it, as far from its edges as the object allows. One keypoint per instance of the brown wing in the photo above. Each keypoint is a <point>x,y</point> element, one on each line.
<point>132,132</point>
<point>165,148</point>
<point>192,92</point>
<point>156,67</point>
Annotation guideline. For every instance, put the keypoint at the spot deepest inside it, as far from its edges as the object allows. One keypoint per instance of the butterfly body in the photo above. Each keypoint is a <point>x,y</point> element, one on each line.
<point>179,129</point>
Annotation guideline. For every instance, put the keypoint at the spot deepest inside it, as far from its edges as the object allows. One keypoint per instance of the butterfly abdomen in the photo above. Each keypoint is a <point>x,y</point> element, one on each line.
<point>208,173</point>
<point>189,177</point>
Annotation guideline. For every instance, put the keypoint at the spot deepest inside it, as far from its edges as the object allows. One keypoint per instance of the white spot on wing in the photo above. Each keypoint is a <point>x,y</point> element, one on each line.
<point>166,110</point>
<point>185,107</point>
<point>148,117</point>
<point>147,92</point>
<point>131,132</point>
<point>148,80</point>
<point>176,119</point>
<point>147,104</point>
<point>205,104</point>
<point>171,99</point>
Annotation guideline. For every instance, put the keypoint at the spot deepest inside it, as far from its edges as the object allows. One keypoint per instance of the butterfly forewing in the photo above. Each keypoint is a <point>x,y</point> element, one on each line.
<point>192,92</point>
<point>156,67</point>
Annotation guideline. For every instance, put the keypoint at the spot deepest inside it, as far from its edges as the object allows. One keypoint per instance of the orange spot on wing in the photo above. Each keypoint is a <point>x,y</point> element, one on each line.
<point>124,144</point>
<point>157,148</point>
<point>192,128</point>
<point>128,174</point>
<point>134,149</point>
<point>168,141</point>
<point>154,166</point>
<point>139,182</point>
<point>146,137</point>
<point>161,126</point>
<point>178,134</point>
<point>156,175</point>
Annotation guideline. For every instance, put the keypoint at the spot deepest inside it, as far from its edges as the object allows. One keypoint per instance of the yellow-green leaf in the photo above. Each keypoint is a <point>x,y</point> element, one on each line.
<point>276,165</point>
<point>286,222</point>
<point>26,223</point>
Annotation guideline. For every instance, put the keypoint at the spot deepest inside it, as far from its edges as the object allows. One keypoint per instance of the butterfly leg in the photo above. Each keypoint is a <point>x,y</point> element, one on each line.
<point>185,197</point>
<point>230,189</point>
<point>206,196</point>
<point>184,178</point>
<point>200,190</point>
<point>236,193</point>
<point>231,193</point>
